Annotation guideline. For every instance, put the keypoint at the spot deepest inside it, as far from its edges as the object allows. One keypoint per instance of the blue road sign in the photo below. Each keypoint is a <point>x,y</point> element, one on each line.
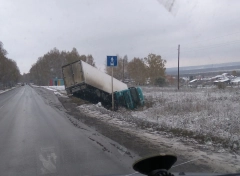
<point>112,61</point>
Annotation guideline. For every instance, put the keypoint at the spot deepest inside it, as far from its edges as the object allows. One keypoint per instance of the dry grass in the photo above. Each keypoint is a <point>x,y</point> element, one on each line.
<point>197,112</point>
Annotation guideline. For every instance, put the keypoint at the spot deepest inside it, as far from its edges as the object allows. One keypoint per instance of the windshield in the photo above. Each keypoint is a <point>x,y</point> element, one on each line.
<point>89,87</point>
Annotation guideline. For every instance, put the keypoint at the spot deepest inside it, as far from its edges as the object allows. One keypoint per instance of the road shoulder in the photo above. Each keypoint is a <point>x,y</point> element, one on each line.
<point>146,142</point>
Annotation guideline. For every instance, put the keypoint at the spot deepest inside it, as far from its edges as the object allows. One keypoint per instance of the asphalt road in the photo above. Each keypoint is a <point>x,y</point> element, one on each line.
<point>38,139</point>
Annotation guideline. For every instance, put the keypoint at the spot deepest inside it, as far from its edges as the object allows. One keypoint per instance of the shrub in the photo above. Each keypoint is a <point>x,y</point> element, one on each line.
<point>160,81</point>
<point>221,85</point>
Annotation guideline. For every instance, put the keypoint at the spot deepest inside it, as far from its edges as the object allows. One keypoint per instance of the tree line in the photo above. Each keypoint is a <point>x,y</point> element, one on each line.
<point>9,71</point>
<point>49,66</point>
<point>150,69</point>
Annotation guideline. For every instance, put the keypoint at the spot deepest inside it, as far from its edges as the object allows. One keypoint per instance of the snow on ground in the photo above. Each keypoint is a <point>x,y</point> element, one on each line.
<point>58,90</point>
<point>203,123</point>
<point>2,91</point>
<point>204,118</point>
<point>220,160</point>
<point>236,80</point>
<point>210,112</point>
<point>56,87</point>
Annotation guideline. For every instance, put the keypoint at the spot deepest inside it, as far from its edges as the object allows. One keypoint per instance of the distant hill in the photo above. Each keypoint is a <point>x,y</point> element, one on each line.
<point>204,68</point>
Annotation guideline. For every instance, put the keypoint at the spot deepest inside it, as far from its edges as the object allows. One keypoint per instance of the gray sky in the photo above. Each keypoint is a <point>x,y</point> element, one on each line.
<point>208,31</point>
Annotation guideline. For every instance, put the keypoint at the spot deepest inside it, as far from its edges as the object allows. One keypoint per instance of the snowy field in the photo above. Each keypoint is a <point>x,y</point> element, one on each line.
<point>210,112</point>
<point>197,123</point>
<point>210,116</point>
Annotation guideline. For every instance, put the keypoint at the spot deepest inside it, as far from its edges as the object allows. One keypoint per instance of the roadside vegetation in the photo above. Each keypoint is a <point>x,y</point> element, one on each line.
<point>9,71</point>
<point>147,70</point>
<point>206,116</point>
<point>49,66</point>
<point>211,115</point>
<point>140,71</point>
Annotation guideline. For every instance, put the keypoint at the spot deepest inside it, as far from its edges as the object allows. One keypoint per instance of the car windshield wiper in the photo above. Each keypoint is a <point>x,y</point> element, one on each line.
<point>233,174</point>
<point>159,165</point>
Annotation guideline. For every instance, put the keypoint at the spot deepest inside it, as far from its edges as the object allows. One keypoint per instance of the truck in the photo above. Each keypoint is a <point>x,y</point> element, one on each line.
<point>87,82</point>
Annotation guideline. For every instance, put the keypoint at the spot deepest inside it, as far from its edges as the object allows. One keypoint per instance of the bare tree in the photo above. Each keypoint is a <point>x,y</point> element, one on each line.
<point>90,60</point>
<point>125,65</point>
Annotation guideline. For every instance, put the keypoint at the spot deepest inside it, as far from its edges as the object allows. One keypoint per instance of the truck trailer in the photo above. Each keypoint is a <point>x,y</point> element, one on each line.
<point>87,82</point>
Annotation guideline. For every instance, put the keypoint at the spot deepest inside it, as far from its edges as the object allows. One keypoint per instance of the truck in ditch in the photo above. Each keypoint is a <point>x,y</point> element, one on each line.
<point>87,82</point>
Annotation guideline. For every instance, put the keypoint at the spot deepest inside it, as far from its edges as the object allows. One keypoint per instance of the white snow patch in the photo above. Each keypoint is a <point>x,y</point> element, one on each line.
<point>58,90</point>
<point>203,111</point>
<point>54,87</point>
<point>194,80</point>
<point>236,80</point>
<point>6,90</point>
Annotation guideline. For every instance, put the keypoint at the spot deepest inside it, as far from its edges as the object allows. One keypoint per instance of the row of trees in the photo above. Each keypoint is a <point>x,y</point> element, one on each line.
<point>49,66</point>
<point>9,71</point>
<point>142,70</point>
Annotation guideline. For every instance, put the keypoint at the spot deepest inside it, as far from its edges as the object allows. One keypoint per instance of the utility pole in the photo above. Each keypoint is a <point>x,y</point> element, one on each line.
<point>178,64</point>
<point>123,71</point>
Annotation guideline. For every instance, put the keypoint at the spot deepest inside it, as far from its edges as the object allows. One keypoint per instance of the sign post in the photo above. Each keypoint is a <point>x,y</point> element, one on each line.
<point>112,92</point>
<point>112,61</point>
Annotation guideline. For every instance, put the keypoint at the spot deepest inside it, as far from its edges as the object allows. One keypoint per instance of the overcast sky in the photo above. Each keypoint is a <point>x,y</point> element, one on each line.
<point>208,31</point>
